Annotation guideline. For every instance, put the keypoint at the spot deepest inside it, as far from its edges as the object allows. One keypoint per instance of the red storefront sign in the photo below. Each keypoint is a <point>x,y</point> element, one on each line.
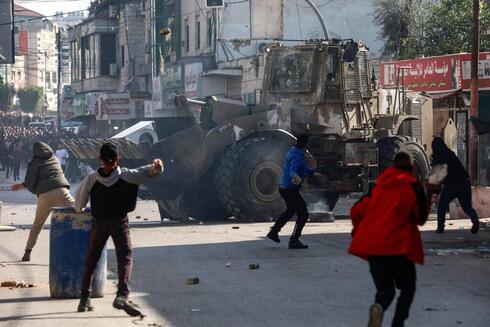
<point>436,74</point>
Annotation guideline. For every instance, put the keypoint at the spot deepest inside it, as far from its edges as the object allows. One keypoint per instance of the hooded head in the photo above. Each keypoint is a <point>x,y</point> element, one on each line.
<point>403,161</point>
<point>302,141</point>
<point>42,150</point>
<point>439,147</point>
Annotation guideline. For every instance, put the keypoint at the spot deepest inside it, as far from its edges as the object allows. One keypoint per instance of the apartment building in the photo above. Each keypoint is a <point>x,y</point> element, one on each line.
<point>110,65</point>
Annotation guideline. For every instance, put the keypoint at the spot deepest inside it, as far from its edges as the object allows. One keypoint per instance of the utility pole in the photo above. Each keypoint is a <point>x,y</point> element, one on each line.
<point>475,48</point>
<point>58,107</point>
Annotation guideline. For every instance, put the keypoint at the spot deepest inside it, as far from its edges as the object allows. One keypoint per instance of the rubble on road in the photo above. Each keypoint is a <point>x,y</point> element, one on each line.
<point>16,284</point>
<point>253,266</point>
<point>192,281</point>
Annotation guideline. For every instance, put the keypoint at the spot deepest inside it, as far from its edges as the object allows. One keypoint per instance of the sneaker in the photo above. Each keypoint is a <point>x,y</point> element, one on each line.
<point>440,231</point>
<point>273,236</point>
<point>375,315</point>
<point>85,305</point>
<point>122,303</point>
<point>296,244</point>
<point>475,228</point>
<point>27,256</point>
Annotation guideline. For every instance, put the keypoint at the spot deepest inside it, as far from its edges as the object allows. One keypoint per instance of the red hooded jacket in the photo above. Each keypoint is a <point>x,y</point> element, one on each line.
<point>385,221</point>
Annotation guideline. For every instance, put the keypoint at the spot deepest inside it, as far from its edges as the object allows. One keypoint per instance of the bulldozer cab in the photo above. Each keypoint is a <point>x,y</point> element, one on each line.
<point>328,82</point>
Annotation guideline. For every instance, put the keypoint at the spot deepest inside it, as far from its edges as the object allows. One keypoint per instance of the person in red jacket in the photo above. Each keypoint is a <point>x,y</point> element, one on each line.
<point>385,233</point>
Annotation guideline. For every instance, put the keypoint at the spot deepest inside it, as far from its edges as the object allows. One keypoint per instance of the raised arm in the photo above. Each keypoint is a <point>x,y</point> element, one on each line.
<point>140,175</point>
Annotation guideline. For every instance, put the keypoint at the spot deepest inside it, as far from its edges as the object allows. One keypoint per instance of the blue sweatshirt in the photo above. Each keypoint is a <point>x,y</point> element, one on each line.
<point>295,164</point>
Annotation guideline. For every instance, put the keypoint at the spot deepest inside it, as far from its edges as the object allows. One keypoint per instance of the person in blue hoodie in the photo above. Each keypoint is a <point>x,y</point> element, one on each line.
<point>295,170</point>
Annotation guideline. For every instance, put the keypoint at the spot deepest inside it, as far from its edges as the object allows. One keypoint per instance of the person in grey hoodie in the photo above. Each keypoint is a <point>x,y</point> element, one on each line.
<point>45,178</point>
<point>113,192</point>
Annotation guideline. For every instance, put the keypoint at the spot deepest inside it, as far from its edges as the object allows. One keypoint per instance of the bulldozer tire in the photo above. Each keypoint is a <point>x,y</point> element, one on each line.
<point>388,147</point>
<point>203,201</point>
<point>248,179</point>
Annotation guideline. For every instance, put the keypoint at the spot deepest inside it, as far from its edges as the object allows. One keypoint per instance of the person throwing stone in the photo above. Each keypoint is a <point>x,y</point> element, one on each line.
<point>45,178</point>
<point>295,171</point>
<point>112,192</point>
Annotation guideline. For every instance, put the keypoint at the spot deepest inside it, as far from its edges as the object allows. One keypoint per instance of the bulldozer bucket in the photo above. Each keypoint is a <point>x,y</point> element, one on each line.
<point>87,150</point>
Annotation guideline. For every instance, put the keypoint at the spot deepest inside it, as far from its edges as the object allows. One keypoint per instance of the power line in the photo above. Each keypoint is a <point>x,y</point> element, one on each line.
<point>42,18</point>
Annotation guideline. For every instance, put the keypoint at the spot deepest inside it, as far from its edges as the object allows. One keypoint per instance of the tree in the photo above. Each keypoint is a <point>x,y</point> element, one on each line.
<point>7,92</point>
<point>400,23</point>
<point>449,29</point>
<point>416,28</point>
<point>31,99</point>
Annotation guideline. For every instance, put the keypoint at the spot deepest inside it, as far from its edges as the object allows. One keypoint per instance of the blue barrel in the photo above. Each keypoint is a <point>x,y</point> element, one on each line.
<point>69,235</point>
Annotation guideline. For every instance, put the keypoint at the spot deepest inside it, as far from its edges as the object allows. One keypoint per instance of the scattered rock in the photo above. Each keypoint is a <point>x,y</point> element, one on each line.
<point>228,265</point>
<point>138,217</point>
<point>4,264</point>
<point>434,309</point>
<point>253,266</point>
<point>145,219</point>
<point>192,281</point>
<point>201,223</point>
<point>9,284</point>
<point>459,322</point>
<point>13,213</point>
<point>196,310</point>
<point>15,284</point>
<point>236,227</point>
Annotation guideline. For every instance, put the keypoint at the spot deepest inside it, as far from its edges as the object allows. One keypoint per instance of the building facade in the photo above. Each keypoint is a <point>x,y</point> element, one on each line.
<point>36,62</point>
<point>110,68</point>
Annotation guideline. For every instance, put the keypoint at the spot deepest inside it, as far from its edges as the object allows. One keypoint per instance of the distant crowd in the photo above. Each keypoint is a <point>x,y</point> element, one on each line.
<point>18,135</point>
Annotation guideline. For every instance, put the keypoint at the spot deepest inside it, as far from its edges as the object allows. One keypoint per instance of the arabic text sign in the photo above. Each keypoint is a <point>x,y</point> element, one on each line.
<point>434,74</point>
<point>117,106</point>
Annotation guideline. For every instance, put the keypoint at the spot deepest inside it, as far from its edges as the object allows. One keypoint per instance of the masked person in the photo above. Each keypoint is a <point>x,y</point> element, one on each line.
<point>45,178</point>
<point>456,185</point>
<point>385,233</point>
<point>113,192</point>
<point>295,170</point>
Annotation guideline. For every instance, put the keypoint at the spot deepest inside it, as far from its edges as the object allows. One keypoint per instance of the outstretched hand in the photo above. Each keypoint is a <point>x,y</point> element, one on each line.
<point>17,187</point>
<point>157,165</point>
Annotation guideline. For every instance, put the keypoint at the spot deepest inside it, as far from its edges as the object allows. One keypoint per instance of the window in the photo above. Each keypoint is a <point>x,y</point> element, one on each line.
<point>187,38</point>
<point>210,31</point>
<point>54,78</point>
<point>107,52</point>
<point>19,76</point>
<point>198,33</point>
<point>293,72</point>
<point>122,56</point>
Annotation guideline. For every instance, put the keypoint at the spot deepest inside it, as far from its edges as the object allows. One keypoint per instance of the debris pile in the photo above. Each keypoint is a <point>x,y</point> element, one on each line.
<point>15,284</point>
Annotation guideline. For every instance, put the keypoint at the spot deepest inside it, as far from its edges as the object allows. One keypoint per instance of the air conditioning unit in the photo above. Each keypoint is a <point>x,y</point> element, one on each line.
<point>113,69</point>
<point>113,12</point>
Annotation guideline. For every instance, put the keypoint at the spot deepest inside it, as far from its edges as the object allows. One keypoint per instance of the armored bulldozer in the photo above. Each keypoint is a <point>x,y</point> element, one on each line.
<point>227,160</point>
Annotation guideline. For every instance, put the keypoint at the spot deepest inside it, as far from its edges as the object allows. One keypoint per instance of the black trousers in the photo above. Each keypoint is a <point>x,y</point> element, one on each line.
<point>100,232</point>
<point>16,169</point>
<point>295,205</point>
<point>389,273</point>
<point>462,192</point>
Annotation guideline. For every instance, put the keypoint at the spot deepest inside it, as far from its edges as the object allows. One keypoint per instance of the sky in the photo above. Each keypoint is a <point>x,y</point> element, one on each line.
<point>50,7</point>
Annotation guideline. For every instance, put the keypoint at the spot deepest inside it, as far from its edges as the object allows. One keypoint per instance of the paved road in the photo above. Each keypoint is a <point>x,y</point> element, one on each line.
<point>321,286</point>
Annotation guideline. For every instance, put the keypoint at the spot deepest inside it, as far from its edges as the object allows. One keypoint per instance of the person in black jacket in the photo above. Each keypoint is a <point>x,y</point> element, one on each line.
<point>455,185</point>
<point>113,192</point>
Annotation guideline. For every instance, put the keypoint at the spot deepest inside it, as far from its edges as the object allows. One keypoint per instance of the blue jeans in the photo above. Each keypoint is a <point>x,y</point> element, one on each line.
<point>461,191</point>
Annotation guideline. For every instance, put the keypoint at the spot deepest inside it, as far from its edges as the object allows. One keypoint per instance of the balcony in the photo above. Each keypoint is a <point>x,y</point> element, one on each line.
<point>96,84</point>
